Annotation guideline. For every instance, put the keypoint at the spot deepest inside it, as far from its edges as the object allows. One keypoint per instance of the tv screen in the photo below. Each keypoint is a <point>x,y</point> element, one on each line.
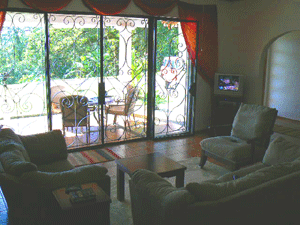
<point>228,83</point>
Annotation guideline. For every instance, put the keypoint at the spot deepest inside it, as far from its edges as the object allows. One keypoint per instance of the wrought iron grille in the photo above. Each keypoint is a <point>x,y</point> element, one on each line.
<point>35,77</point>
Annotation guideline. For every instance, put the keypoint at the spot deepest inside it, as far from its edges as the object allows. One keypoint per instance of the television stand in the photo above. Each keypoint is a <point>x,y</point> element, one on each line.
<point>223,111</point>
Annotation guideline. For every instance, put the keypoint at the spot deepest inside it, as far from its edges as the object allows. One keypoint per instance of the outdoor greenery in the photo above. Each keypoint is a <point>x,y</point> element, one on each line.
<point>75,53</point>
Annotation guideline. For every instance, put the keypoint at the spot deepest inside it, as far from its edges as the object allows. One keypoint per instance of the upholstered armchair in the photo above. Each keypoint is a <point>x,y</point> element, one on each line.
<point>32,166</point>
<point>250,136</point>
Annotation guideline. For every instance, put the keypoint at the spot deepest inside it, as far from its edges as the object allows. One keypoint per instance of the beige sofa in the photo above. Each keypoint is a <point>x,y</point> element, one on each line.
<point>264,193</point>
<point>31,167</point>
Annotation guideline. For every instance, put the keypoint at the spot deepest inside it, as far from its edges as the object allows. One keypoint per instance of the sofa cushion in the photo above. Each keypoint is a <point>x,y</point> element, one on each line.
<point>14,163</point>
<point>252,121</point>
<point>281,150</point>
<point>11,141</point>
<point>46,147</point>
<point>228,147</point>
<point>207,191</point>
<point>54,180</point>
<point>241,172</point>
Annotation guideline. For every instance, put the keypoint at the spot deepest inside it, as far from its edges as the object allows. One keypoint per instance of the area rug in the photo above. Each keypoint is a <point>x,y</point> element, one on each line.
<point>92,157</point>
<point>120,212</point>
<point>293,132</point>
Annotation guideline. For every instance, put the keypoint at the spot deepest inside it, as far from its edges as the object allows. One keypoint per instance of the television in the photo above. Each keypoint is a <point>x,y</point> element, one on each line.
<point>228,84</point>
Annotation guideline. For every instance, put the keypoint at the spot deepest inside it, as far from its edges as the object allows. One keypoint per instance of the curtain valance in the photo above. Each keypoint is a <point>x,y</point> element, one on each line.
<point>107,7</point>
<point>47,5</point>
<point>156,7</point>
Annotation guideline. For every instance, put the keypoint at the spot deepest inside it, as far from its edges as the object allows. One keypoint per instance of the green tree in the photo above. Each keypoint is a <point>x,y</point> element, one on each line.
<point>75,53</point>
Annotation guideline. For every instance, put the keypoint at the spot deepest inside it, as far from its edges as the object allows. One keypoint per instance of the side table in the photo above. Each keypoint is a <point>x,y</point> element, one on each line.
<point>90,212</point>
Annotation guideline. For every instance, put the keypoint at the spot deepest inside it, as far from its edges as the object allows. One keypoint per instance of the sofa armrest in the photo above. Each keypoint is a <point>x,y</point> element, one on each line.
<point>156,201</point>
<point>45,147</point>
<point>55,180</point>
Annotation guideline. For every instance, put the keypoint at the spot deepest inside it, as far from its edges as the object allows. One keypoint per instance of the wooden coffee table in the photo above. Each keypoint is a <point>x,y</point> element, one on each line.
<point>155,162</point>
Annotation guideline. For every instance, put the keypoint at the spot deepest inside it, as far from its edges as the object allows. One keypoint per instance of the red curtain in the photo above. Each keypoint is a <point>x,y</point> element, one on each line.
<point>3,5</point>
<point>107,7</point>
<point>47,5</point>
<point>207,62</point>
<point>156,7</point>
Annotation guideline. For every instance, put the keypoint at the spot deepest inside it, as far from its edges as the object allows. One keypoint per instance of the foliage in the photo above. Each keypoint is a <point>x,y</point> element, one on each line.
<point>139,55</point>
<point>75,52</point>
<point>167,43</point>
<point>111,51</point>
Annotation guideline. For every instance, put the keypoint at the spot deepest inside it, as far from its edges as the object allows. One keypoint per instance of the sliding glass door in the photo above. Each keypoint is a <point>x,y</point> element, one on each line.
<point>74,56</point>
<point>99,79</point>
<point>125,76</point>
<point>22,73</point>
<point>173,79</point>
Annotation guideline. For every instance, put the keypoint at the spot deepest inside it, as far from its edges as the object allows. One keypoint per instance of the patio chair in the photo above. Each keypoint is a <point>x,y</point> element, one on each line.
<point>75,113</point>
<point>250,136</point>
<point>57,92</point>
<point>124,107</point>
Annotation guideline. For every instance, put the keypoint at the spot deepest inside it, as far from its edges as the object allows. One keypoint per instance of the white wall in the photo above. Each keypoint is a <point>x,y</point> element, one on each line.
<point>246,30</point>
<point>282,85</point>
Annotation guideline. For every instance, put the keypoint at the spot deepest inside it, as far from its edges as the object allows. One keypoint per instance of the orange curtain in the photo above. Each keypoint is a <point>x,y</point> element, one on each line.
<point>207,62</point>
<point>156,7</point>
<point>107,7</point>
<point>47,5</point>
<point>3,5</point>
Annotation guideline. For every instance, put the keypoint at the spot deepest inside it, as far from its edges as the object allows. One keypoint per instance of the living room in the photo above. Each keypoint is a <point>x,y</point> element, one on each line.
<point>246,30</point>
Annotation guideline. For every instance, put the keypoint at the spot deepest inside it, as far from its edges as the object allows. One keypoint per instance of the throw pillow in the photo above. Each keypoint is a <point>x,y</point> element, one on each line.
<point>10,141</point>
<point>252,121</point>
<point>281,150</point>
<point>14,163</point>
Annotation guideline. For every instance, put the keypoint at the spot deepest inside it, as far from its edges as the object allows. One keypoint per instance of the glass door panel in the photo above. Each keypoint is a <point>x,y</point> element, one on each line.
<point>22,73</point>
<point>172,81</point>
<point>125,76</point>
<point>75,71</point>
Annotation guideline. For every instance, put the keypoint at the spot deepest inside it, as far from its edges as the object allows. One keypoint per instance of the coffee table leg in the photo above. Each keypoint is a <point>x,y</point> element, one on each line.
<point>180,179</point>
<point>120,184</point>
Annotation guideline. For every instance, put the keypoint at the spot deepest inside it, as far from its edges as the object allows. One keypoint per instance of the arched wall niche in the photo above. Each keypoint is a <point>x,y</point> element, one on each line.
<point>280,66</point>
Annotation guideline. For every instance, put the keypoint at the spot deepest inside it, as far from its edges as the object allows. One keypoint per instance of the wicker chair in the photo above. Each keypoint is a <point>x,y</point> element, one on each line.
<point>57,92</point>
<point>124,108</point>
<point>75,113</point>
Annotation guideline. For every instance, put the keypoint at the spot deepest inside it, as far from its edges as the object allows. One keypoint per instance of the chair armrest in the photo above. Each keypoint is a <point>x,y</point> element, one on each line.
<point>148,181</point>
<point>155,200</point>
<point>55,180</point>
<point>45,147</point>
<point>114,105</point>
